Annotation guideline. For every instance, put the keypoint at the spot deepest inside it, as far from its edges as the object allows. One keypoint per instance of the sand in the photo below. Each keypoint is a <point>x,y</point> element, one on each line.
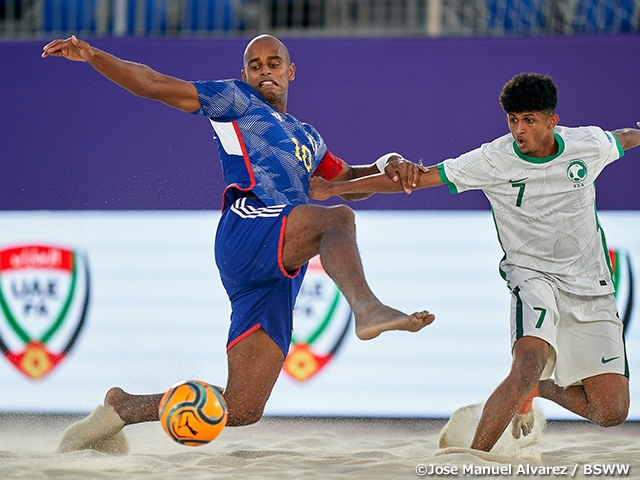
<point>322,448</point>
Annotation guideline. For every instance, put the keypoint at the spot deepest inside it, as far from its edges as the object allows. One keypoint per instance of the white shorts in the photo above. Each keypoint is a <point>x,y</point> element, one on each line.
<point>585,333</point>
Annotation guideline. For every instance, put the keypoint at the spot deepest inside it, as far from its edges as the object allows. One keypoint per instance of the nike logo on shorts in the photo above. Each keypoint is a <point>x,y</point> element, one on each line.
<point>607,360</point>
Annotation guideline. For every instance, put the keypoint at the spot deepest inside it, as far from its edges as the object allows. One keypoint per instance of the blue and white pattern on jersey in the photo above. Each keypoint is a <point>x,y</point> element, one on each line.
<point>243,210</point>
<point>261,149</point>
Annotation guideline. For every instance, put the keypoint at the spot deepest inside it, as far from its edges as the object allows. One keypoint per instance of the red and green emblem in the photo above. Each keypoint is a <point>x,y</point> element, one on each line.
<point>622,275</point>
<point>44,295</point>
<point>321,321</point>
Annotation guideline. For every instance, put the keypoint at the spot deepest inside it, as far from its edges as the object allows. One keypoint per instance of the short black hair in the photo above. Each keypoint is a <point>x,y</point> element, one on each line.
<point>529,92</point>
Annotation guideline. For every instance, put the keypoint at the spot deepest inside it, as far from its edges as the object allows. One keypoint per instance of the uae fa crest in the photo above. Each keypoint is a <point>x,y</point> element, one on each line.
<point>44,295</point>
<point>321,320</point>
<point>622,275</point>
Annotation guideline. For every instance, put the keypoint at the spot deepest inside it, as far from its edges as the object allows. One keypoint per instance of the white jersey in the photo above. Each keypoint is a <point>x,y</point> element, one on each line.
<point>544,208</point>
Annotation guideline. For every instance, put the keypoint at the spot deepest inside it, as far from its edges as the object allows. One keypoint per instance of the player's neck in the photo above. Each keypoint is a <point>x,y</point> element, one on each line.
<point>548,148</point>
<point>281,106</point>
<point>279,103</point>
<point>551,147</point>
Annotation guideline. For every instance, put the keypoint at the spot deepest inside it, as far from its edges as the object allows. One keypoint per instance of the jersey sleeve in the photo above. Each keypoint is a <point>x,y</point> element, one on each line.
<point>612,148</point>
<point>604,146</point>
<point>329,166</point>
<point>466,172</point>
<point>222,100</point>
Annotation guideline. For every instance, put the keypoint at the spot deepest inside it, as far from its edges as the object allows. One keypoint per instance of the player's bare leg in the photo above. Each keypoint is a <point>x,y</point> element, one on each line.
<point>254,364</point>
<point>133,408</point>
<point>602,399</point>
<point>529,358</point>
<point>523,420</point>
<point>330,231</point>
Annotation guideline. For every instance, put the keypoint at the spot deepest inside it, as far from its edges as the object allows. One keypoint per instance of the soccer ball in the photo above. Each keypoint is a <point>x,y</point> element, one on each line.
<point>192,413</point>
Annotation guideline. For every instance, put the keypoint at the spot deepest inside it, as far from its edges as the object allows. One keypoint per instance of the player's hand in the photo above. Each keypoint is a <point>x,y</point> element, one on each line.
<point>401,170</point>
<point>71,48</point>
<point>320,189</point>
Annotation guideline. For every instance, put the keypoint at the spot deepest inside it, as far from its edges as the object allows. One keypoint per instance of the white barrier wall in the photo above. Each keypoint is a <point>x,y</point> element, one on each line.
<point>141,293</point>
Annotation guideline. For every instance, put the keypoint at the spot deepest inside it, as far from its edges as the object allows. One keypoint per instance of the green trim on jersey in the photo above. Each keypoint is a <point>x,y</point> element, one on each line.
<point>529,159</point>
<point>504,257</point>
<point>620,149</point>
<point>604,244</point>
<point>443,176</point>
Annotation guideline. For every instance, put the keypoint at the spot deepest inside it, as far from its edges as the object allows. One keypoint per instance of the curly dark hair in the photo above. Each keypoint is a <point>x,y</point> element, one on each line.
<point>529,92</point>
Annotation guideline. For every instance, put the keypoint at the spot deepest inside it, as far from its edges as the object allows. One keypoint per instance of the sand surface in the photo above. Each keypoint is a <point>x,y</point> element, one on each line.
<point>280,448</point>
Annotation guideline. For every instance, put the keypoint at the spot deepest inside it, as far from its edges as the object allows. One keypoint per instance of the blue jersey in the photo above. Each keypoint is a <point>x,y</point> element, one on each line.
<point>262,149</point>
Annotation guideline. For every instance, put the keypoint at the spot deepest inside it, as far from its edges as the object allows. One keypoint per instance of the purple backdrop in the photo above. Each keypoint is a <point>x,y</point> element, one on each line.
<point>73,140</point>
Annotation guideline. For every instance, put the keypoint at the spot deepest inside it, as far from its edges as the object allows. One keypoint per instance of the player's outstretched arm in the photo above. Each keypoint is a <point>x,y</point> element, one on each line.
<point>398,168</point>
<point>320,189</point>
<point>137,78</point>
<point>394,165</point>
<point>628,137</point>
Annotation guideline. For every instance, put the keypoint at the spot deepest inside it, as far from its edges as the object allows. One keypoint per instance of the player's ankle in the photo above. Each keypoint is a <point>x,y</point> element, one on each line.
<point>527,404</point>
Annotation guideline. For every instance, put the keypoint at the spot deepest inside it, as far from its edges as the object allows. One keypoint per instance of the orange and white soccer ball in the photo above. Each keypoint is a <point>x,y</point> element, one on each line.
<point>193,413</point>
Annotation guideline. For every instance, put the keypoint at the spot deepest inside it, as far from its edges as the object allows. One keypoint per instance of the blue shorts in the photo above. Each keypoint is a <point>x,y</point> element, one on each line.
<point>248,251</point>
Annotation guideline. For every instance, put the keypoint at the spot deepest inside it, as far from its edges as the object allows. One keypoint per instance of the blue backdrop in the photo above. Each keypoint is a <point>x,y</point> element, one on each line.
<point>72,140</point>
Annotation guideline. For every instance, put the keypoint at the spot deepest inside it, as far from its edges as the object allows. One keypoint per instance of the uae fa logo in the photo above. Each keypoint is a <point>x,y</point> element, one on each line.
<point>321,321</point>
<point>44,296</point>
<point>622,275</point>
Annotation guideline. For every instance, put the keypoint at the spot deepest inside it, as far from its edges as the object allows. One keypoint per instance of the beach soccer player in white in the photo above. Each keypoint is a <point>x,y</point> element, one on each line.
<point>539,180</point>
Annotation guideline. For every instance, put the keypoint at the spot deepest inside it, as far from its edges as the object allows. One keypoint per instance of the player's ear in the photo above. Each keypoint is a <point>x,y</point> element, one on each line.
<point>553,120</point>
<point>243,75</point>
<point>292,71</point>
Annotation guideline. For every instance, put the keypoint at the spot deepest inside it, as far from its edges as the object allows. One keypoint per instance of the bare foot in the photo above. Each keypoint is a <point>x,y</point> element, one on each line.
<point>133,408</point>
<point>522,423</point>
<point>372,322</point>
<point>523,420</point>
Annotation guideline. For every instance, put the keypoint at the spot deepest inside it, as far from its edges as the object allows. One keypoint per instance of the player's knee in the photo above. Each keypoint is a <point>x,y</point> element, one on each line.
<point>531,365</point>
<point>343,214</point>
<point>528,368</point>
<point>244,410</point>
<point>241,418</point>
<point>337,219</point>
<point>612,415</point>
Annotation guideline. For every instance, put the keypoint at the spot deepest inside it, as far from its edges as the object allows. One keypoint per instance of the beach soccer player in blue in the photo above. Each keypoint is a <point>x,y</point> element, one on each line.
<point>268,230</point>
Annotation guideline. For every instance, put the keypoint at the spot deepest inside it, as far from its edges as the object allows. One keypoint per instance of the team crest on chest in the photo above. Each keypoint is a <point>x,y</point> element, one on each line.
<point>44,295</point>
<point>577,172</point>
